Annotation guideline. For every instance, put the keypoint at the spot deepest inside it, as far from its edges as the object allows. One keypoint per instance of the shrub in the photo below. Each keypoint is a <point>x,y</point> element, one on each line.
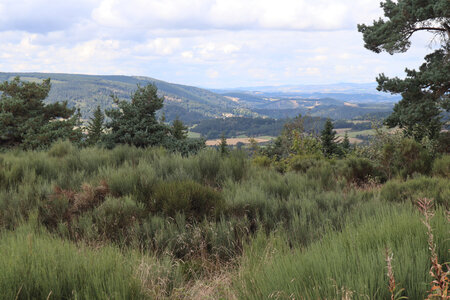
<point>262,161</point>
<point>441,166</point>
<point>359,170</point>
<point>208,162</point>
<point>62,206</point>
<point>61,148</point>
<point>420,187</point>
<point>115,217</point>
<point>413,158</point>
<point>189,197</point>
<point>301,163</point>
<point>234,166</point>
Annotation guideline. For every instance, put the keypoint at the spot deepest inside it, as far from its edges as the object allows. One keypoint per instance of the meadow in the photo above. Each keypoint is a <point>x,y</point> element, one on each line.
<point>145,223</point>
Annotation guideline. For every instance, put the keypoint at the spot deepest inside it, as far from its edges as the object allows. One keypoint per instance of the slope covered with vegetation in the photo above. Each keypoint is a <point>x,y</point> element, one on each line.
<point>145,223</point>
<point>86,92</point>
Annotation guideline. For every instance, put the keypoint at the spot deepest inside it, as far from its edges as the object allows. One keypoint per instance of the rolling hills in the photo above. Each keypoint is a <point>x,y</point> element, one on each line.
<point>193,104</point>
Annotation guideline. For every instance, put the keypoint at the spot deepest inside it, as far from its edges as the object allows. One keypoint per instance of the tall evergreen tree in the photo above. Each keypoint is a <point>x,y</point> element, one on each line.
<point>95,127</point>
<point>425,93</point>
<point>179,131</point>
<point>223,146</point>
<point>346,143</point>
<point>27,122</point>
<point>135,122</point>
<point>328,138</point>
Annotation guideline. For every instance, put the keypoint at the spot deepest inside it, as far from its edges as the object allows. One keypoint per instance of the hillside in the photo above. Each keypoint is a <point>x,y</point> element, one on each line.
<point>87,91</point>
<point>192,104</point>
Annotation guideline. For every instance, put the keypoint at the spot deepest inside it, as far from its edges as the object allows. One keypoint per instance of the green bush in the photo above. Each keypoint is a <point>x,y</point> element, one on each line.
<point>114,219</point>
<point>208,163</point>
<point>360,170</point>
<point>190,197</point>
<point>441,166</point>
<point>61,148</point>
<point>413,189</point>
<point>56,209</point>
<point>262,161</point>
<point>301,163</point>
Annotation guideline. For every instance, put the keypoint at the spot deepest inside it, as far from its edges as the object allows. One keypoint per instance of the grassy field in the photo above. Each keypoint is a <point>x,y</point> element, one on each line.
<point>133,223</point>
<point>194,135</point>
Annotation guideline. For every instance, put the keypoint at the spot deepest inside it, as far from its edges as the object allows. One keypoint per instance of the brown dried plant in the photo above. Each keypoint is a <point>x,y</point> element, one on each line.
<point>395,295</point>
<point>441,281</point>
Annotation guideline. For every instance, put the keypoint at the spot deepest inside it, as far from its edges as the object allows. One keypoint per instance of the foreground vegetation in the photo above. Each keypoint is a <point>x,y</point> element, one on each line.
<point>146,223</point>
<point>138,211</point>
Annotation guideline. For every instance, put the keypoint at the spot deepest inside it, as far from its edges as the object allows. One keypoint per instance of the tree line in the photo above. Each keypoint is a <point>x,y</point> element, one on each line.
<point>26,122</point>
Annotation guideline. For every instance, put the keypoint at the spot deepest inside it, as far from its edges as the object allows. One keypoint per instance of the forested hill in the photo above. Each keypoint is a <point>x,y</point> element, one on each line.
<point>88,91</point>
<point>192,104</point>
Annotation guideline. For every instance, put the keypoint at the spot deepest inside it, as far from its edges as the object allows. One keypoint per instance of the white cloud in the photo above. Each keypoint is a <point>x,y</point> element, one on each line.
<point>235,14</point>
<point>198,42</point>
<point>212,74</point>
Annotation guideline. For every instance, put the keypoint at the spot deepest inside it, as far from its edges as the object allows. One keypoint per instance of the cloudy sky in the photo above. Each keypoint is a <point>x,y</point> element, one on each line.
<point>208,43</point>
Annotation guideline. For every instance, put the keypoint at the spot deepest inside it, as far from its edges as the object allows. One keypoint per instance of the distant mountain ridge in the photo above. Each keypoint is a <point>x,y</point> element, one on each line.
<point>87,91</point>
<point>193,104</point>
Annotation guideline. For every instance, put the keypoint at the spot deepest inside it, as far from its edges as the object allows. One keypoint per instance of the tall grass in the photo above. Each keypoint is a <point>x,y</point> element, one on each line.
<point>352,261</point>
<point>197,214</point>
<point>35,265</point>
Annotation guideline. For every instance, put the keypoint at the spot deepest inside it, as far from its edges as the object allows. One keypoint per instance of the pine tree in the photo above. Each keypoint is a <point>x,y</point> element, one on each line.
<point>27,122</point>
<point>95,127</point>
<point>223,146</point>
<point>346,143</point>
<point>425,92</point>
<point>328,138</point>
<point>179,131</point>
<point>135,122</point>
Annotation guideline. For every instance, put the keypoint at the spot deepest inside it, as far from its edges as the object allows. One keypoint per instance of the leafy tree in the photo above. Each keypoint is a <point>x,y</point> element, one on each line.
<point>27,122</point>
<point>425,93</point>
<point>179,131</point>
<point>135,122</point>
<point>328,138</point>
<point>95,127</point>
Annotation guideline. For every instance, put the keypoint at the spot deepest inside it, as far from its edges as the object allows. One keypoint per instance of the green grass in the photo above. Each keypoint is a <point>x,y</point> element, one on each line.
<point>352,260</point>
<point>353,134</point>
<point>194,135</point>
<point>35,265</point>
<point>134,223</point>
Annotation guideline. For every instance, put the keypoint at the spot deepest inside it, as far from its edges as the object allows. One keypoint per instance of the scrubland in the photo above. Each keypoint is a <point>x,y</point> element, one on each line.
<point>132,223</point>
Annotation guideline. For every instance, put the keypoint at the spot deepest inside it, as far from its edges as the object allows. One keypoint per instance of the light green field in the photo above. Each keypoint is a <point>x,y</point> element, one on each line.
<point>194,135</point>
<point>353,134</point>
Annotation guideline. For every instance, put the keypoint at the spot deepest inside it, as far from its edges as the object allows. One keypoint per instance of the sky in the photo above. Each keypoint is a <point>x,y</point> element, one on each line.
<point>206,43</point>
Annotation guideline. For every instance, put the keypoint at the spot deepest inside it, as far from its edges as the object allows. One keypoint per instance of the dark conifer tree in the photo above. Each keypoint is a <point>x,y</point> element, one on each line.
<point>223,146</point>
<point>179,131</point>
<point>346,143</point>
<point>328,138</point>
<point>95,127</point>
<point>135,123</point>
<point>27,122</point>
<point>425,93</point>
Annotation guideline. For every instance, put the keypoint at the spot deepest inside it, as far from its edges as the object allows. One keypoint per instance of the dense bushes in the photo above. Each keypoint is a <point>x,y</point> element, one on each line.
<point>199,212</point>
<point>411,190</point>
<point>188,197</point>
<point>361,170</point>
<point>441,166</point>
